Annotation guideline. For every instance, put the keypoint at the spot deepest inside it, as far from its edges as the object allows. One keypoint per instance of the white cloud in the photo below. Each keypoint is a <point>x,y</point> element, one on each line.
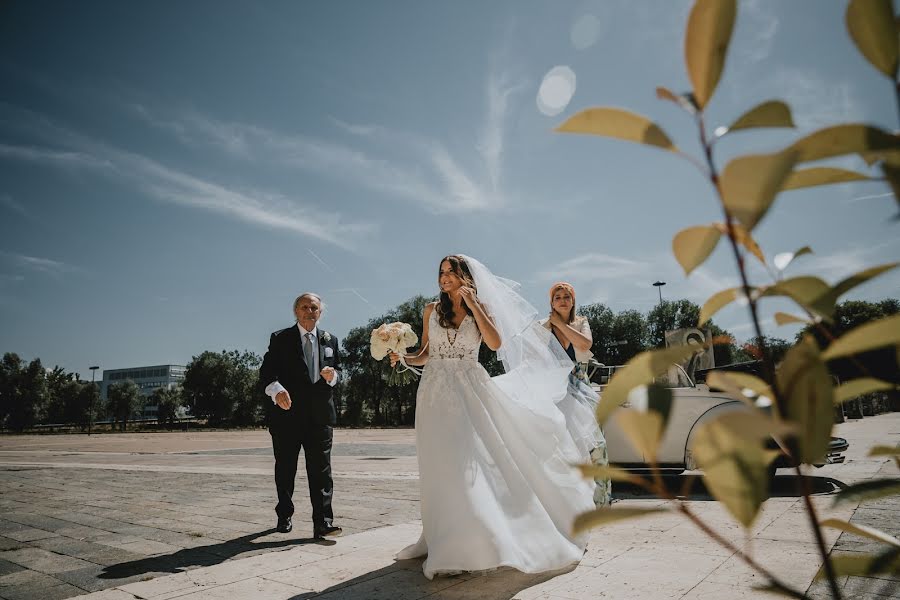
<point>595,266</point>
<point>8,202</point>
<point>48,155</point>
<point>420,170</point>
<point>252,205</point>
<point>499,92</point>
<point>47,266</point>
<point>761,23</point>
<point>814,100</point>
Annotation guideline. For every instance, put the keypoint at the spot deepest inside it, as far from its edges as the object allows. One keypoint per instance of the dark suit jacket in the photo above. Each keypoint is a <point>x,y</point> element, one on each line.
<point>310,402</point>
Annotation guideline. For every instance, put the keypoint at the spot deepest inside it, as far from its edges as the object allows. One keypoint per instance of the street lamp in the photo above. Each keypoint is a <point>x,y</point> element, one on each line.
<point>93,393</point>
<point>658,285</point>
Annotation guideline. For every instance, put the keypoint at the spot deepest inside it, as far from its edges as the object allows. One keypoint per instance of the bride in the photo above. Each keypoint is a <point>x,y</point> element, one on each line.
<point>495,456</point>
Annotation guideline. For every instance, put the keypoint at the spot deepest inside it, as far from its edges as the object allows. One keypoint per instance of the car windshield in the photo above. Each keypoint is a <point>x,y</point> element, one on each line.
<point>675,377</point>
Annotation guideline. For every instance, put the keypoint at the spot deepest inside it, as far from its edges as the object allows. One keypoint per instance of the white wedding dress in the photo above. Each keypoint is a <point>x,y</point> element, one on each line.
<point>495,464</point>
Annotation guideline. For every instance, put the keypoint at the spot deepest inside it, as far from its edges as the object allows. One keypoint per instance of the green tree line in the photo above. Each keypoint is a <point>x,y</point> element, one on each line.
<point>221,388</point>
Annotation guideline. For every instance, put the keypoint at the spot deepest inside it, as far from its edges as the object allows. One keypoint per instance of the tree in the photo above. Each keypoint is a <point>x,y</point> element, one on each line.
<point>777,348</point>
<point>23,391</point>
<point>10,374</point>
<point>123,400</point>
<point>222,387</point>
<point>601,320</point>
<point>168,400</point>
<point>630,331</point>
<point>850,314</point>
<point>669,315</point>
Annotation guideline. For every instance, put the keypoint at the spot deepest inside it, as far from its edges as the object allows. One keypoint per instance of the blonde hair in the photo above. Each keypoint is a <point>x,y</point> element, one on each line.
<point>563,285</point>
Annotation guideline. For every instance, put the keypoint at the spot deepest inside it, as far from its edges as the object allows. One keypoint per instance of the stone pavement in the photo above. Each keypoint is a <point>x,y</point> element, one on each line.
<point>189,515</point>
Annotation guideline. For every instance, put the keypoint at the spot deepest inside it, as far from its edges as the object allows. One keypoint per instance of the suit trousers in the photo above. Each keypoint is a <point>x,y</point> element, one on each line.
<point>315,440</point>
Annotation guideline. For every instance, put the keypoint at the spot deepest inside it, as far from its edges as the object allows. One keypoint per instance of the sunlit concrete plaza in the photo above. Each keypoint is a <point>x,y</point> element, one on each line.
<point>190,515</point>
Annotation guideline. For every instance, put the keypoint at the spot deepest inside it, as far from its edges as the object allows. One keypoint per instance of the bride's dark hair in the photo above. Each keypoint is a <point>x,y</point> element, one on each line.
<point>460,268</point>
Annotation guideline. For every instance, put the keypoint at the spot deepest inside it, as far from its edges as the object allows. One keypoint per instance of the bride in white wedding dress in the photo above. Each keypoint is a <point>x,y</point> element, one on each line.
<point>495,457</point>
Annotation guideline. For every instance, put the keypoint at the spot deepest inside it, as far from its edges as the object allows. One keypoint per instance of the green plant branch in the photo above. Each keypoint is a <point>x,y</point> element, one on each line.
<point>768,365</point>
<point>658,488</point>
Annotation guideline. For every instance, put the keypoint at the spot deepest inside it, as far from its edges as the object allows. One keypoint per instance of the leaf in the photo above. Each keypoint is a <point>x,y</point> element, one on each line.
<point>861,530</point>
<point>782,318</point>
<point>640,370</point>
<point>743,237</point>
<point>804,178</point>
<point>643,429</point>
<point>885,451</point>
<point>679,99</point>
<point>892,175</point>
<point>607,515</point>
<point>805,385</point>
<point>608,472</point>
<point>736,383</point>
<point>843,139</point>
<point>871,25</point>
<point>858,387</point>
<point>735,468</point>
<point>859,564</point>
<point>620,124</point>
<point>805,290</point>
<point>861,277</point>
<point>749,184</point>
<point>716,302</point>
<point>890,156</point>
<point>692,246</point>
<point>872,335</point>
<point>818,297</point>
<point>871,489</point>
<point>783,259</point>
<point>706,44</point>
<point>773,113</point>
<point>826,303</point>
<point>659,401</point>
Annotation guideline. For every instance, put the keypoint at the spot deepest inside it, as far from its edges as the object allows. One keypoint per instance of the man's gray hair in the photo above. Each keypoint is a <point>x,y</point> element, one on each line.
<point>309,295</point>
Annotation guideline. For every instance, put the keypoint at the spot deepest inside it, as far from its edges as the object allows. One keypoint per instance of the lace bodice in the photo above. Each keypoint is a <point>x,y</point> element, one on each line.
<point>459,344</point>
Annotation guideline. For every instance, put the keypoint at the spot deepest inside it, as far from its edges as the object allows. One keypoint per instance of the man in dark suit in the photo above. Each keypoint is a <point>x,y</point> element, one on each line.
<point>299,371</point>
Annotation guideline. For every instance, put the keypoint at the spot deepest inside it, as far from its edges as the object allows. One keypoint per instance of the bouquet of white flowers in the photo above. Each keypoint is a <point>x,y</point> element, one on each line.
<point>394,337</point>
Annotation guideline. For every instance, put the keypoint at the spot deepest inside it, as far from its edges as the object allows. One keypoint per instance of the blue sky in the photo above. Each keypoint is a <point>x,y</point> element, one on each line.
<point>172,174</point>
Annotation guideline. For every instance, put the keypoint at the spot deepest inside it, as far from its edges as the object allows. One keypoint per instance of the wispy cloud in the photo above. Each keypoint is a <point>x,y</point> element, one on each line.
<point>814,100</point>
<point>761,24</point>
<point>333,271</point>
<point>838,265</point>
<point>594,267</point>
<point>7,202</point>
<point>250,204</point>
<point>411,167</point>
<point>499,91</point>
<point>38,264</point>
<point>48,155</point>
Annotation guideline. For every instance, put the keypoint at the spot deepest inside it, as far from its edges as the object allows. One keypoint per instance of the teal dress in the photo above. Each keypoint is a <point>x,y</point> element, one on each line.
<point>580,389</point>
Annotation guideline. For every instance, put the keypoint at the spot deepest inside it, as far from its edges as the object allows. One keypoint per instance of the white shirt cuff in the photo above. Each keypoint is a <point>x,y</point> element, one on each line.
<point>273,389</point>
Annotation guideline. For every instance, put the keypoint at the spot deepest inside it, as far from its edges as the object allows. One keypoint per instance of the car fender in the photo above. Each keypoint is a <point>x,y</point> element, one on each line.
<point>715,411</point>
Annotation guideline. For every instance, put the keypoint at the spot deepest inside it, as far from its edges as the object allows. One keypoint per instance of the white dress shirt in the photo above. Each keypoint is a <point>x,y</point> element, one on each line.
<point>275,387</point>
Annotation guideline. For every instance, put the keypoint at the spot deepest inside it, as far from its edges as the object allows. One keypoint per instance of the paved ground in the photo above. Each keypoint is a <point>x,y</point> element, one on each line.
<point>190,515</point>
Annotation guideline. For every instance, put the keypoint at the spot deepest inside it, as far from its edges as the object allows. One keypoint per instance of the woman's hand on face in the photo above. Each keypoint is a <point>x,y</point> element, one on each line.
<point>468,296</point>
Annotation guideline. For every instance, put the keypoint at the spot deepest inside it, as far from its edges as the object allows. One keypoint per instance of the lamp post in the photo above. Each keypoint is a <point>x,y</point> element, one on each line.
<point>93,394</point>
<point>658,285</point>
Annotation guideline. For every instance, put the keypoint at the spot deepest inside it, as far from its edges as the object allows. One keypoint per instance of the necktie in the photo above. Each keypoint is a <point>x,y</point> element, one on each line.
<point>309,356</point>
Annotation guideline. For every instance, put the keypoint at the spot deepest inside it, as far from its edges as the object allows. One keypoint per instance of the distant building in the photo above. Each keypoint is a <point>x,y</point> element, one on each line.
<point>148,380</point>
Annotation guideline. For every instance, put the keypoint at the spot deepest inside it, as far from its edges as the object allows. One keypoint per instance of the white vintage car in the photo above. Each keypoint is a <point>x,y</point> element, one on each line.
<point>692,405</point>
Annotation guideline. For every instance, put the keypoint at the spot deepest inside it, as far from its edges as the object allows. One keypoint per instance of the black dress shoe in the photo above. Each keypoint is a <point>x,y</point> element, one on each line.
<point>327,531</point>
<point>284,525</point>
